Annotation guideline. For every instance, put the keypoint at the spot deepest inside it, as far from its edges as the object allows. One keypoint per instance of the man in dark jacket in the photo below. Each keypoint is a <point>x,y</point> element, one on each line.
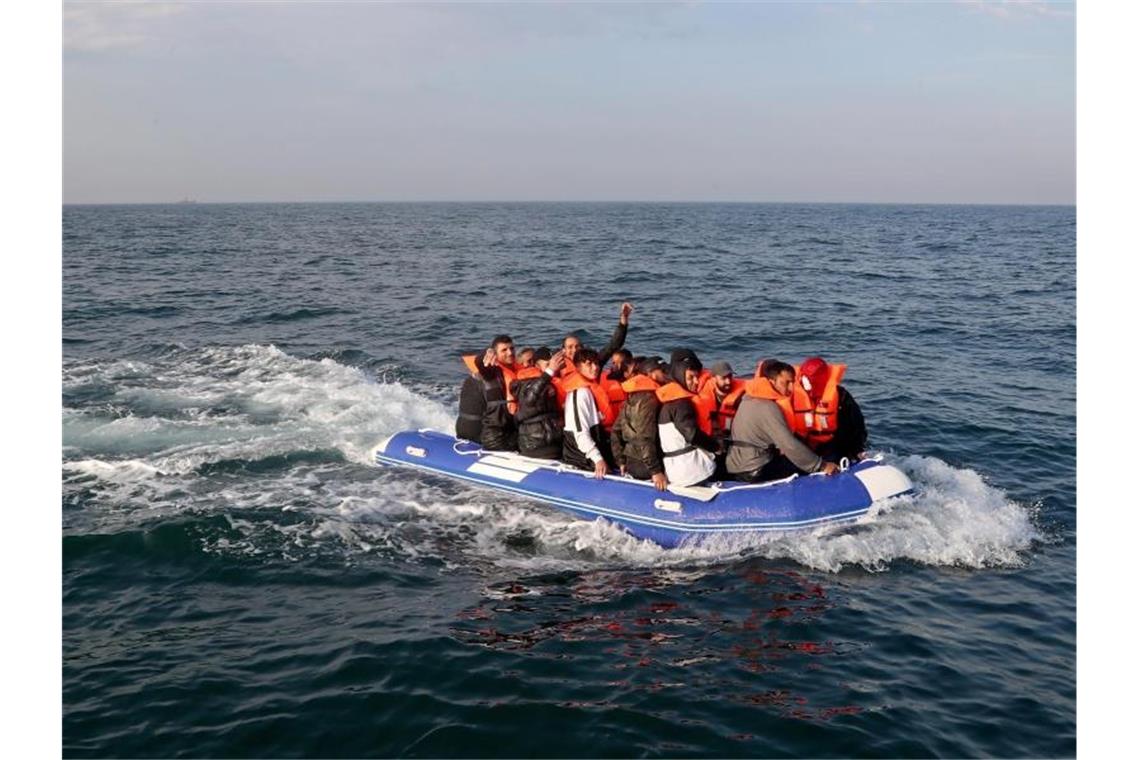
<point>497,368</point>
<point>634,437</point>
<point>688,452</point>
<point>538,418</point>
<point>472,406</point>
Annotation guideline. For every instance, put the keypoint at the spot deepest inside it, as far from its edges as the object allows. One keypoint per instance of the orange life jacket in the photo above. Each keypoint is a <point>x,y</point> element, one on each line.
<point>639,383</point>
<point>673,391</point>
<point>760,387</point>
<point>559,383</point>
<point>817,421</point>
<point>721,413</point>
<point>601,398</point>
<point>526,373</point>
<point>704,379</point>
<point>568,371</point>
<point>509,376</point>
<point>615,394</point>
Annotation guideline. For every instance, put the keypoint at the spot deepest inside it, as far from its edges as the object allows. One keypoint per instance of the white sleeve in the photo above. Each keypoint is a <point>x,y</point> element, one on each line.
<point>581,415</point>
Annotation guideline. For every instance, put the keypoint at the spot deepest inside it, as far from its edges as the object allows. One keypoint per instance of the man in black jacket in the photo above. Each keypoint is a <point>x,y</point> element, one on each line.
<point>538,418</point>
<point>497,368</point>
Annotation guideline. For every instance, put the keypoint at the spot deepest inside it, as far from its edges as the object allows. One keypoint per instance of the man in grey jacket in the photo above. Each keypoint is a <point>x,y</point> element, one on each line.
<point>762,446</point>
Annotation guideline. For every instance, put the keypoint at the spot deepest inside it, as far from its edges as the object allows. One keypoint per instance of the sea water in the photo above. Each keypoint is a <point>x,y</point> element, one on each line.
<point>239,580</point>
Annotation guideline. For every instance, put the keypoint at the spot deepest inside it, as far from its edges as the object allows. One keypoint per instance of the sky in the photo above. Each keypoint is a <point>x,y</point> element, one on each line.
<point>951,102</point>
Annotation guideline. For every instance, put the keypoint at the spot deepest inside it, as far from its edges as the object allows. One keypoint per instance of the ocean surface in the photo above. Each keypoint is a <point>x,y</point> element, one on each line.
<point>239,581</point>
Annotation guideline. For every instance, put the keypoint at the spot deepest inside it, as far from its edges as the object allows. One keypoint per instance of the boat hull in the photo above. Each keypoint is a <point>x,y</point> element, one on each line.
<point>671,518</point>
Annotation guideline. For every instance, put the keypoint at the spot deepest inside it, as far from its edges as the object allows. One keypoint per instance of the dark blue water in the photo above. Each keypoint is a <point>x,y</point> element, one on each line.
<point>238,581</point>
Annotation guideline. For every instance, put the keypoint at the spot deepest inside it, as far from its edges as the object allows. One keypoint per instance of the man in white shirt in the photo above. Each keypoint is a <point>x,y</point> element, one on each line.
<point>585,442</point>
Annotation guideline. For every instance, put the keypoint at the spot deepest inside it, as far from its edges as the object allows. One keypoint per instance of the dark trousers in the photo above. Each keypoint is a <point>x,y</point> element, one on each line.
<point>637,469</point>
<point>778,468</point>
<point>575,458</point>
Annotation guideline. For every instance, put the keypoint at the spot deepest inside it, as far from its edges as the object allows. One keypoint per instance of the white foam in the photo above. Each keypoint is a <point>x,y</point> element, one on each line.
<point>123,471</point>
<point>274,403</point>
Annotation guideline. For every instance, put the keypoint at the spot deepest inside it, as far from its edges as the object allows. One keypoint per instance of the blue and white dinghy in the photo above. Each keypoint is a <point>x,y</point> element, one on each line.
<point>680,515</point>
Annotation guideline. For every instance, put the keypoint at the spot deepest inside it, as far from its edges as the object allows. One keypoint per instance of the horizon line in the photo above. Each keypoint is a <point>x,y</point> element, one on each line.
<point>192,202</point>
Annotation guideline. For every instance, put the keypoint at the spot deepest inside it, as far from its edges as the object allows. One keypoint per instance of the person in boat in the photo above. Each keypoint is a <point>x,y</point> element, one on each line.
<point>621,365</point>
<point>538,419</point>
<point>497,370</point>
<point>472,404</point>
<point>525,358</point>
<point>542,357</point>
<point>762,446</point>
<point>571,344</point>
<point>687,446</point>
<point>635,446</point>
<point>587,411</point>
<point>826,415</point>
<point>722,392</point>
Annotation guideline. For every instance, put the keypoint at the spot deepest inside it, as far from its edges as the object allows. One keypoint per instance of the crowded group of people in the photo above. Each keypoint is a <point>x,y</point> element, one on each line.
<point>670,422</point>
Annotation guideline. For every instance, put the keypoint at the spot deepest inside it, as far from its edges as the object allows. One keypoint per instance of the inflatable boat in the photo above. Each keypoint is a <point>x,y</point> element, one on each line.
<point>678,515</point>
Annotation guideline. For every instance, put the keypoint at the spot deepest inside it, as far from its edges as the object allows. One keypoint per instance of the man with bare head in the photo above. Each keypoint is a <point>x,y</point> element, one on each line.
<point>762,446</point>
<point>571,344</point>
<point>497,371</point>
<point>586,444</point>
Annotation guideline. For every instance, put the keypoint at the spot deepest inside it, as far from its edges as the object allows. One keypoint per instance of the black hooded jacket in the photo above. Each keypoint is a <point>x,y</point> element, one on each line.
<point>681,412</point>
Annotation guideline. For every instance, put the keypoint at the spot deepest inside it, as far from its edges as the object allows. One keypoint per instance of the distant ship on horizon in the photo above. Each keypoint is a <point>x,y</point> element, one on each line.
<point>187,200</point>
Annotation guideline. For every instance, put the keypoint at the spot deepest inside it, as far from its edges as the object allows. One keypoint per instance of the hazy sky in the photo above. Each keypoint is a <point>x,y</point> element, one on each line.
<point>880,102</point>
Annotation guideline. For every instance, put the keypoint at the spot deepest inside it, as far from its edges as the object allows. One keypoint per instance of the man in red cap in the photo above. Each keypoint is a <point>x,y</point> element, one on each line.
<point>826,415</point>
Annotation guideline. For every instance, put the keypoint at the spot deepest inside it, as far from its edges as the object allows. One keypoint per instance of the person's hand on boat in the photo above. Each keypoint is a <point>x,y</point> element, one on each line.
<point>626,310</point>
<point>660,481</point>
<point>829,468</point>
<point>621,470</point>
<point>600,469</point>
<point>557,361</point>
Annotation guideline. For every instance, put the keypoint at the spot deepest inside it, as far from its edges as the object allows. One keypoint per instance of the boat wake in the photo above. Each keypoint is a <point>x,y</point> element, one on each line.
<point>266,455</point>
